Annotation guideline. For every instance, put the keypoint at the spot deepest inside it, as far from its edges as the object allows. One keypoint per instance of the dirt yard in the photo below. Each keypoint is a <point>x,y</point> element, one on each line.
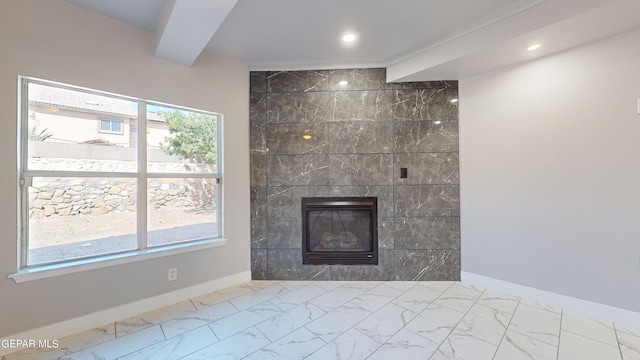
<point>59,230</point>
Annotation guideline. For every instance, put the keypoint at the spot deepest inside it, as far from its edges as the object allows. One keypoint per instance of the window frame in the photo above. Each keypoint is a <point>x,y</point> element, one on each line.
<point>141,174</point>
<point>111,122</point>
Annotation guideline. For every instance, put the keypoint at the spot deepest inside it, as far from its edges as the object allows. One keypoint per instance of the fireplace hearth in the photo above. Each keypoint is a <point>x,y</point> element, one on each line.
<point>340,230</point>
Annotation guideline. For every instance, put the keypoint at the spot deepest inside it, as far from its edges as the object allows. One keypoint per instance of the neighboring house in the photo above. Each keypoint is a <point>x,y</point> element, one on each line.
<point>74,117</point>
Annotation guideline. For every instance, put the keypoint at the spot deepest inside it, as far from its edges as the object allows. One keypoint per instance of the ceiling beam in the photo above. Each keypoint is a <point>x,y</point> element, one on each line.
<point>560,36</point>
<point>187,26</point>
<point>501,43</point>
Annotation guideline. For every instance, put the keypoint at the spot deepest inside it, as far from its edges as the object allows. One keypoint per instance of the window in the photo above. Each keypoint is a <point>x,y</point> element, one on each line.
<point>111,126</point>
<point>88,195</point>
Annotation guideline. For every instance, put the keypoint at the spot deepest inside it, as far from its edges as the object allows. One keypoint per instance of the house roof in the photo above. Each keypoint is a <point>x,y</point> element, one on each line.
<point>85,102</point>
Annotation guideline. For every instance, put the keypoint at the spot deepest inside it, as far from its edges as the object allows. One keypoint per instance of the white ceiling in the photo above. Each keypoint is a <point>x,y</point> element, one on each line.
<point>415,39</point>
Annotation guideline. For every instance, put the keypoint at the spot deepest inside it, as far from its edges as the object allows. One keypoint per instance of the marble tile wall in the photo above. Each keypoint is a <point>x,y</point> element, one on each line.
<point>362,134</point>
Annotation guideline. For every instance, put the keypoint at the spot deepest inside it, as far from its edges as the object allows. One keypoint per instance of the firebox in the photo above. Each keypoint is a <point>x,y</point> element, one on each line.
<point>340,230</point>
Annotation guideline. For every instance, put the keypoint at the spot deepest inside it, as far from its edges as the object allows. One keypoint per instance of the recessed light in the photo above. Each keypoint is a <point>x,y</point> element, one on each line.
<point>534,47</point>
<point>343,83</point>
<point>453,101</point>
<point>348,37</point>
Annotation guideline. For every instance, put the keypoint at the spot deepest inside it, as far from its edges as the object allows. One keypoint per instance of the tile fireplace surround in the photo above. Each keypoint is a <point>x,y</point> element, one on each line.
<point>361,134</point>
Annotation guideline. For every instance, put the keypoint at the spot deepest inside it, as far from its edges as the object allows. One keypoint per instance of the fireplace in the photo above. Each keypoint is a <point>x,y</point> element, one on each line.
<point>340,230</point>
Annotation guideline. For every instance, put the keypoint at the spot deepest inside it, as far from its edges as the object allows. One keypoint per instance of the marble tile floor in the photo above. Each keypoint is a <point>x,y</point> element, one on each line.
<point>352,320</point>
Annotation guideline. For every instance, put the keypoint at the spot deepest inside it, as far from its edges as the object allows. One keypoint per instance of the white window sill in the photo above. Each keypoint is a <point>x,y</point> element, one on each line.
<point>75,266</point>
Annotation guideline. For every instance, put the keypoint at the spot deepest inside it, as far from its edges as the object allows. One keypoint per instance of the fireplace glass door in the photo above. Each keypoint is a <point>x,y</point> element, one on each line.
<point>339,230</point>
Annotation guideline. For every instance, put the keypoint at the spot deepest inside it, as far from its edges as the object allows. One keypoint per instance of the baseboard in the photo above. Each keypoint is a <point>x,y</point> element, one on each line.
<point>91,321</point>
<point>593,309</point>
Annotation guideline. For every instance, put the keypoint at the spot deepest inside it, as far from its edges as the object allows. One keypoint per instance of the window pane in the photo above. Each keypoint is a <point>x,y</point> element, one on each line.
<point>65,131</point>
<point>80,217</point>
<point>181,210</point>
<point>115,126</point>
<point>180,141</point>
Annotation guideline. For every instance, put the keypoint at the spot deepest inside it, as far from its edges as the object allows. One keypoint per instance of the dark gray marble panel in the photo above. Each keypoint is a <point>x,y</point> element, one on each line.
<point>427,168</point>
<point>284,233</point>
<point>285,201</point>
<point>383,193</point>
<point>257,140</point>
<point>427,200</point>
<point>372,105</point>
<point>288,138</point>
<point>258,169</point>
<point>362,169</point>
<point>361,137</point>
<point>427,233</point>
<point>258,232</point>
<point>425,136</point>
<point>363,132</point>
<point>426,104</point>
<point>298,81</point>
<point>300,107</point>
<point>358,79</point>
<point>384,271</point>
<point>258,108</point>
<point>427,265</point>
<point>386,237</point>
<point>285,170</point>
<point>257,81</point>
<point>259,264</point>
<point>258,201</point>
<point>286,264</point>
<point>419,85</point>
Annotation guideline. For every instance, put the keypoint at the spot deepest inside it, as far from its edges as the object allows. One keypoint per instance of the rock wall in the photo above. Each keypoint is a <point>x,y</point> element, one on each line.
<point>67,196</point>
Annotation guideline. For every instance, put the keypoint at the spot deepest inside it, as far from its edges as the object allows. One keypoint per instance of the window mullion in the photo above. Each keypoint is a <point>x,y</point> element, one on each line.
<point>219,170</point>
<point>85,174</point>
<point>142,176</point>
<point>23,215</point>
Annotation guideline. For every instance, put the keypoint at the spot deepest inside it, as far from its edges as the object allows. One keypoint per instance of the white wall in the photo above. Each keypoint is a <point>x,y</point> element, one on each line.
<point>550,173</point>
<point>56,41</point>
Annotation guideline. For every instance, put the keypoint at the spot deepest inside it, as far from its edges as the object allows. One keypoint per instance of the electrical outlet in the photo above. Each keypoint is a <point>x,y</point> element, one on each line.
<point>172,274</point>
<point>403,173</point>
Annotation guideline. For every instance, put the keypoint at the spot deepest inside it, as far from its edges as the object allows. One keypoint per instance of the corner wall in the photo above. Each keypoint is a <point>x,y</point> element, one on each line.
<point>57,41</point>
<point>550,173</point>
<point>362,134</point>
